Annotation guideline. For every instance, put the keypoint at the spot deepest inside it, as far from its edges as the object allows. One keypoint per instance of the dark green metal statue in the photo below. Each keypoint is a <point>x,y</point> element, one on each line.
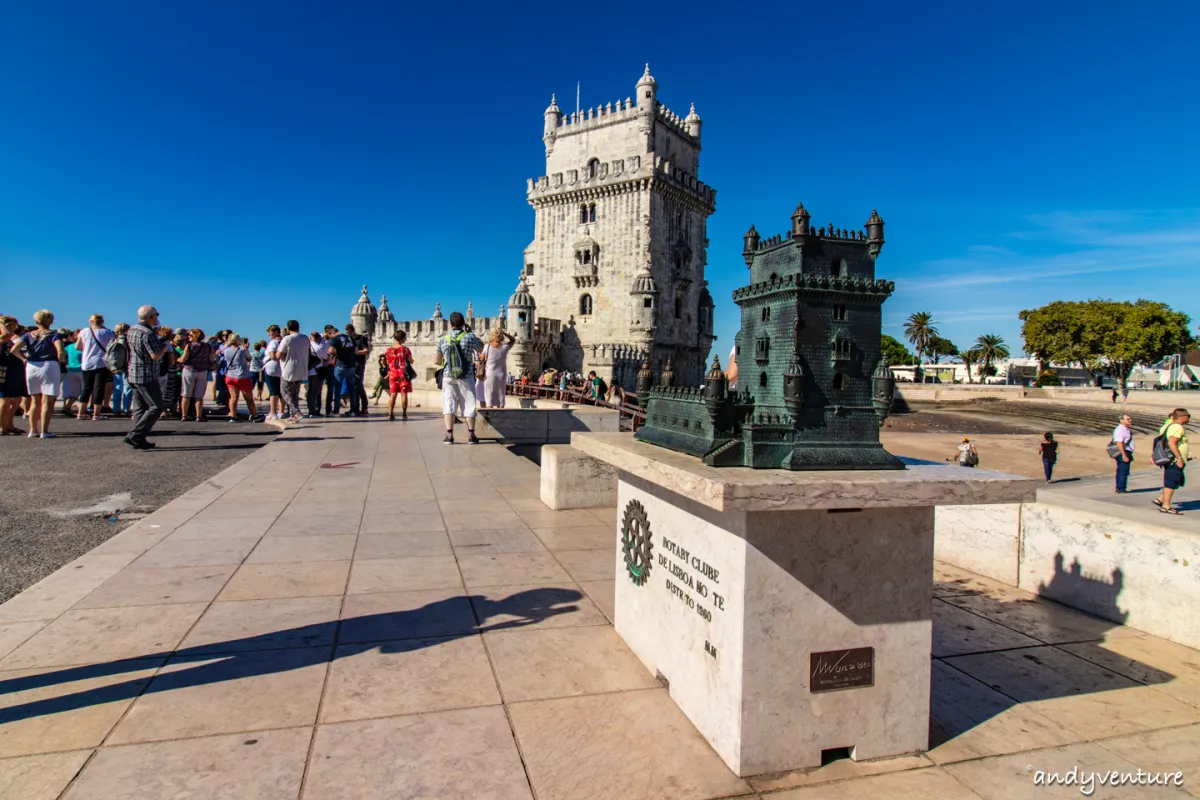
<point>813,387</point>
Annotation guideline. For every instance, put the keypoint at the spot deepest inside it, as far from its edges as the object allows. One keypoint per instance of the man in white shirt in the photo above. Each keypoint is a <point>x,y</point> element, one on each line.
<point>1122,437</point>
<point>293,355</point>
<point>92,342</point>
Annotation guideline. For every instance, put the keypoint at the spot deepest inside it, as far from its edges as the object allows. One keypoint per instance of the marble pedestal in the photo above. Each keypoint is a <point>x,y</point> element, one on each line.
<point>789,613</point>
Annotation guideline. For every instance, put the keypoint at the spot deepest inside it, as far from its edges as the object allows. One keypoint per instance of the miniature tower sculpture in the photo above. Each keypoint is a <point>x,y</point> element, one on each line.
<point>815,387</point>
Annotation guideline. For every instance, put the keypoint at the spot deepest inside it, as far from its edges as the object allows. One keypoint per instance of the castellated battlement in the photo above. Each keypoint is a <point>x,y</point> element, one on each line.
<point>596,174</point>
<point>589,119</point>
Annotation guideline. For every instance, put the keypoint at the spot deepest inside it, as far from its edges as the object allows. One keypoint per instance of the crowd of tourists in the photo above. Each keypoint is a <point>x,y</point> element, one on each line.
<point>148,371</point>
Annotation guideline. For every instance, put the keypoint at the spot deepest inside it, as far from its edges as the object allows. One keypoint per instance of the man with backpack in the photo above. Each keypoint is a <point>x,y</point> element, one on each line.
<point>457,351</point>
<point>1171,452</point>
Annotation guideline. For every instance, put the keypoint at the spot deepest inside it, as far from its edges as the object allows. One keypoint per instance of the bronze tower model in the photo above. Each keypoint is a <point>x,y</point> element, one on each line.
<point>813,387</point>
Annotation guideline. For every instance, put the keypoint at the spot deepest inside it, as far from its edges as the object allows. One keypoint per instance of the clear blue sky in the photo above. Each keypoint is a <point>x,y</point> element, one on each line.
<point>241,163</point>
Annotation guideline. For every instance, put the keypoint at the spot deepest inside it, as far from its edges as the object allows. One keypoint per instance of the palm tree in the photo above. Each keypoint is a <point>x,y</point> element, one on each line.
<point>920,332</point>
<point>990,348</point>
<point>970,358</point>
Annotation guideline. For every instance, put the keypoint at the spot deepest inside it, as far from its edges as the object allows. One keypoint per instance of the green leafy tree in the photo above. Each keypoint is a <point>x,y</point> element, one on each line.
<point>990,348</point>
<point>941,348</point>
<point>920,332</point>
<point>1105,334</point>
<point>895,350</point>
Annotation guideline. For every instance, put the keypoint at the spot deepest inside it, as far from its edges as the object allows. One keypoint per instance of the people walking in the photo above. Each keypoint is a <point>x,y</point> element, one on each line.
<point>93,342</point>
<point>398,359</point>
<point>197,359</point>
<point>1049,451</point>
<point>381,381</point>
<point>346,351</point>
<point>237,376</point>
<point>273,373</point>
<point>42,351</point>
<point>1115,393</point>
<point>456,351</point>
<point>495,357</point>
<point>146,350</point>
<point>1122,437</point>
<point>293,355</point>
<point>1174,478</point>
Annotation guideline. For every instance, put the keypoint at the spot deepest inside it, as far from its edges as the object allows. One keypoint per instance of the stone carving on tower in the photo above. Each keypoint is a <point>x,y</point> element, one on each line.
<point>620,238</point>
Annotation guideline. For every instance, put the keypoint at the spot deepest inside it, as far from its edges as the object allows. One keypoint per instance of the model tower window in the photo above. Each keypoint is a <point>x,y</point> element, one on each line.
<point>585,305</point>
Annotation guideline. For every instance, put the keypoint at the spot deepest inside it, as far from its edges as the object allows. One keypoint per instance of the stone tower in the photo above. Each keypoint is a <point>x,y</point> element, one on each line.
<point>620,240</point>
<point>521,324</point>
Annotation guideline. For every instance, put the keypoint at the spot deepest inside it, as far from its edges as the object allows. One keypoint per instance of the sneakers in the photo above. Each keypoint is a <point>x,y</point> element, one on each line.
<point>472,438</point>
<point>449,438</point>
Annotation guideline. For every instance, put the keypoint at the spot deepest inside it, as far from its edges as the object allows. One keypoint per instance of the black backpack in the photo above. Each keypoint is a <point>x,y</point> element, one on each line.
<point>116,356</point>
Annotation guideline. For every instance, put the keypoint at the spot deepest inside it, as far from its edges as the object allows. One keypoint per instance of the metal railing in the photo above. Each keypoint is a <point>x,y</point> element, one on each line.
<point>631,416</point>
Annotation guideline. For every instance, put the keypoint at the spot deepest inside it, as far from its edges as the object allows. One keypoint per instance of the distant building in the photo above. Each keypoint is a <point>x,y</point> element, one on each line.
<point>615,272</point>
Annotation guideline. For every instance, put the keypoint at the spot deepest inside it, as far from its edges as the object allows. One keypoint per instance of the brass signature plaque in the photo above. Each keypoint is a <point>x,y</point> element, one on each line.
<point>841,669</point>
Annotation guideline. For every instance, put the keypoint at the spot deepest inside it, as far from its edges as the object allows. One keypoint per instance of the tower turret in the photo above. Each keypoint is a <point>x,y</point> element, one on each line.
<point>874,234</point>
<point>800,219</point>
<point>647,92</point>
<point>363,315</point>
<point>751,240</point>
<point>693,122</point>
<point>521,309</point>
<point>643,306</point>
<point>553,115</point>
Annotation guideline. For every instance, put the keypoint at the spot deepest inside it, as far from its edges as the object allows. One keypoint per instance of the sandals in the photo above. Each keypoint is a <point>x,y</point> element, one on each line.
<point>1157,502</point>
<point>1165,510</point>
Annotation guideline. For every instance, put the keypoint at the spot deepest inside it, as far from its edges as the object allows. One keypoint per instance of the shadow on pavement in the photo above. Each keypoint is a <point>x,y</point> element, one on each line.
<point>295,648</point>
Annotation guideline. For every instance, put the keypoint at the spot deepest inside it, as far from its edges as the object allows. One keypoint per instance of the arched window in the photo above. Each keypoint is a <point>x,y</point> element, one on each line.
<point>583,213</point>
<point>587,256</point>
<point>592,213</point>
<point>647,302</point>
<point>593,165</point>
<point>529,269</point>
<point>839,381</point>
<point>762,380</point>
<point>838,268</point>
<point>521,316</point>
<point>839,312</point>
<point>585,305</point>
<point>678,306</point>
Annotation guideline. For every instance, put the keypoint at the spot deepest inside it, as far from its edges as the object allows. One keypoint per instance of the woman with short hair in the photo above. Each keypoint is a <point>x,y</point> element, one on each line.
<point>42,350</point>
<point>93,342</point>
<point>197,361</point>
<point>237,376</point>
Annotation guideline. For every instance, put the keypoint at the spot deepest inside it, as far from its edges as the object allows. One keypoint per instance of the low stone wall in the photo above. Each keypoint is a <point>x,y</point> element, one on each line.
<point>932,392</point>
<point>1126,570</point>
<point>573,479</point>
<point>543,425</point>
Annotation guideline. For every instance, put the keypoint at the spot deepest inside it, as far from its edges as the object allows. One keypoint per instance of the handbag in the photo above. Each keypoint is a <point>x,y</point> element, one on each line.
<point>1114,450</point>
<point>481,363</point>
<point>972,458</point>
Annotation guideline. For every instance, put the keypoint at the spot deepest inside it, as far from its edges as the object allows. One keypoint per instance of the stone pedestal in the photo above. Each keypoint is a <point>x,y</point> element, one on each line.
<point>790,613</point>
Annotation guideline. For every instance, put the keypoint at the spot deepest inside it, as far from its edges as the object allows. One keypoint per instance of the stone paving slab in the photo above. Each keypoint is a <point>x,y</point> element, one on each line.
<point>358,611</point>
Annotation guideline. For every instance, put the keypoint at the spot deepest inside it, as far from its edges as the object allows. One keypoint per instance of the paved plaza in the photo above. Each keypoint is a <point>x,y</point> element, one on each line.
<point>358,611</point>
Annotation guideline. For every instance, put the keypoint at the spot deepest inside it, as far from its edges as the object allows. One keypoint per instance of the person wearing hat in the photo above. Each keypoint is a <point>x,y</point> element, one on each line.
<point>966,455</point>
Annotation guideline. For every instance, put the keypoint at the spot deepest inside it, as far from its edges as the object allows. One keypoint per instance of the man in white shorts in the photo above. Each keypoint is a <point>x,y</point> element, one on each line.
<point>456,351</point>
